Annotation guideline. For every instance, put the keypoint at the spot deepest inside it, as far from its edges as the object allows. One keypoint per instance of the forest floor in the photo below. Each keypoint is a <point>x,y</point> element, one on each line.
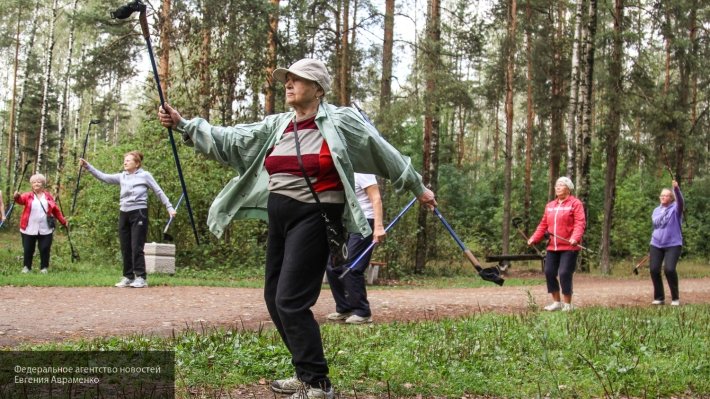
<point>56,314</point>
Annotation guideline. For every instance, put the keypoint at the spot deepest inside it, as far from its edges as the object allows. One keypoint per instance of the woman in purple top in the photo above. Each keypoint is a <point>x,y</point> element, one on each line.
<point>666,243</point>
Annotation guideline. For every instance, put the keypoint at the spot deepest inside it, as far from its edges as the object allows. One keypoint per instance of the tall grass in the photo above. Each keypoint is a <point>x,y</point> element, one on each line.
<point>592,352</point>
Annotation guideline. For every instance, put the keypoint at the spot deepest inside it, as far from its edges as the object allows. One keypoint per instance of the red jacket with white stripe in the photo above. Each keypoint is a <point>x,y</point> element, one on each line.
<point>26,200</point>
<point>564,219</point>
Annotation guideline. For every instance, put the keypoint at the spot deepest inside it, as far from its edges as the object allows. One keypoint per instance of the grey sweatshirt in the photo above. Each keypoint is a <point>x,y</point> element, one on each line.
<point>134,188</point>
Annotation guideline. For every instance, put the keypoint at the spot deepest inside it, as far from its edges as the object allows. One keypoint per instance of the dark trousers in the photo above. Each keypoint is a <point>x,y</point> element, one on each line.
<point>668,257</point>
<point>44,242</point>
<point>350,293</point>
<point>296,256</point>
<point>560,264</point>
<point>132,232</point>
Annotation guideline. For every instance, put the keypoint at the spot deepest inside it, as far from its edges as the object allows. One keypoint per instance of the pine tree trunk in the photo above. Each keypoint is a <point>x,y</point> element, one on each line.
<point>205,62</point>
<point>509,112</point>
<point>529,120</point>
<point>269,94</point>
<point>431,125</point>
<point>586,95</point>
<point>343,77</point>
<point>615,94</point>
<point>165,43</point>
<point>387,47</point>
<point>42,141</point>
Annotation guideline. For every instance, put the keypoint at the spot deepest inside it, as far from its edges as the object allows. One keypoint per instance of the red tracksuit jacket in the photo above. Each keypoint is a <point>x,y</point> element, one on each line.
<point>565,220</point>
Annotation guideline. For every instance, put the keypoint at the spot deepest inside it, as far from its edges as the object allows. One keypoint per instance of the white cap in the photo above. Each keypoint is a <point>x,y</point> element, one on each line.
<point>307,68</point>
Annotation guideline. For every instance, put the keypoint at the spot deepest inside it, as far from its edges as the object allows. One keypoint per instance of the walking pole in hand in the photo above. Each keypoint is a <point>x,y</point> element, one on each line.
<point>516,223</point>
<point>548,234</point>
<point>641,262</point>
<point>372,244</point>
<point>19,183</point>
<point>74,252</point>
<point>491,274</point>
<point>166,236</point>
<point>124,12</point>
<point>83,156</point>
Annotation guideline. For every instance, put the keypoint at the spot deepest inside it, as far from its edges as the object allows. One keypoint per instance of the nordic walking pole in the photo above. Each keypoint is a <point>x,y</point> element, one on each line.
<point>491,274</point>
<point>166,236</point>
<point>74,252</point>
<point>641,262</point>
<point>19,183</point>
<point>83,156</point>
<point>124,12</point>
<point>567,241</point>
<point>372,244</point>
<point>516,223</point>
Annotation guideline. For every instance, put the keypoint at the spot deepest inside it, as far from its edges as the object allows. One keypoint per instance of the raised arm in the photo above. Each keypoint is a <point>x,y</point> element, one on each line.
<point>99,175</point>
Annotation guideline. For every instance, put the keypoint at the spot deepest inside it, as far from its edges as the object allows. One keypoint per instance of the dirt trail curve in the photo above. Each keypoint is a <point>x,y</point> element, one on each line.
<point>44,314</point>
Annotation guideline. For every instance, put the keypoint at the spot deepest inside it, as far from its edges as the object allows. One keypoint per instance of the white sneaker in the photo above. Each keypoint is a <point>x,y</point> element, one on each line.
<point>139,282</point>
<point>26,269</point>
<point>338,316</point>
<point>355,319</point>
<point>125,282</point>
<point>675,303</point>
<point>553,306</point>
<point>657,302</point>
<point>43,271</point>
<point>567,307</point>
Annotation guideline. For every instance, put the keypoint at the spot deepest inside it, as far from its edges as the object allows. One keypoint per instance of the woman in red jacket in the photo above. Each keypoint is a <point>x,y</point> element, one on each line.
<point>34,227</point>
<point>564,221</point>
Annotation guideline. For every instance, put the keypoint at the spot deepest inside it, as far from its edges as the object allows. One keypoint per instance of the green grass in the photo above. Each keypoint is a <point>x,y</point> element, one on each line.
<point>593,352</point>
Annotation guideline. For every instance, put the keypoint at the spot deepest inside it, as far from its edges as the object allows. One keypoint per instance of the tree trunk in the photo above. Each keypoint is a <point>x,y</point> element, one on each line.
<point>431,124</point>
<point>12,132</point>
<point>586,95</point>
<point>387,47</point>
<point>614,99</point>
<point>269,94</point>
<point>529,120</point>
<point>573,108</point>
<point>343,75</point>
<point>557,141</point>
<point>165,23</point>
<point>42,140</point>
<point>205,91</point>
<point>63,105</point>
<point>509,81</point>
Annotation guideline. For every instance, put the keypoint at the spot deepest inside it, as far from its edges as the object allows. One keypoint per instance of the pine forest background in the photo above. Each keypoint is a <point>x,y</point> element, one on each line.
<point>493,100</point>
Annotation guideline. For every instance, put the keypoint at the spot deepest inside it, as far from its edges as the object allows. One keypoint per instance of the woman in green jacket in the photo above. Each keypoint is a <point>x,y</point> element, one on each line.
<point>334,142</point>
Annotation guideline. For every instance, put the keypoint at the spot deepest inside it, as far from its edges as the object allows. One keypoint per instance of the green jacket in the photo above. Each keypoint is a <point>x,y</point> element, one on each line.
<point>354,144</point>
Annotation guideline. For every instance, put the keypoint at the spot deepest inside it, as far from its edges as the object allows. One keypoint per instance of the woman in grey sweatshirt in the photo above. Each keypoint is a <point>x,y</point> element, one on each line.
<point>133,219</point>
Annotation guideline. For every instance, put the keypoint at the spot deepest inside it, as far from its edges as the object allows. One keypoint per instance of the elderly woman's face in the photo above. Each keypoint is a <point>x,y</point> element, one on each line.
<point>37,184</point>
<point>666,197</point>
<point>561,190</point>
<point>301,92</point>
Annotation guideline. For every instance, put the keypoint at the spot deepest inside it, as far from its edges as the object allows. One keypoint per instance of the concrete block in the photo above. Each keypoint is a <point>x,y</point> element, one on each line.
<point>159,258</point>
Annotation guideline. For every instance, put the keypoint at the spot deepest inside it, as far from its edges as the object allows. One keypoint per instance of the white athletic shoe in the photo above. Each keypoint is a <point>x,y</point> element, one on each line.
<point>355,319</point>
<point>675,303</point>
<point>567,307</point>
<point>125,282</point>
<point>657,302</point>
<point>553,306</point>
<point>338,316</point>
<point>139,282</point>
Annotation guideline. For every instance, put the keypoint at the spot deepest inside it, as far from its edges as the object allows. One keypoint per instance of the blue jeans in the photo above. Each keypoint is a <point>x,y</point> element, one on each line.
<point>350,294</point>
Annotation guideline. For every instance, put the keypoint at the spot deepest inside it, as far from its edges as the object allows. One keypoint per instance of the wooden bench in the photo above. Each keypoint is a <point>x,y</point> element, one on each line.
<point>504,260</point>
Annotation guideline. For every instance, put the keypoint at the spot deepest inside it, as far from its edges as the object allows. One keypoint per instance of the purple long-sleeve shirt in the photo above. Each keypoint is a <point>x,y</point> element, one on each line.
<point>667,223</point>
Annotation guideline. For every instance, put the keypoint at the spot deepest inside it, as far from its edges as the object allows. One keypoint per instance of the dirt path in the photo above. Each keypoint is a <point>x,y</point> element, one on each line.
<point>44,314</point>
